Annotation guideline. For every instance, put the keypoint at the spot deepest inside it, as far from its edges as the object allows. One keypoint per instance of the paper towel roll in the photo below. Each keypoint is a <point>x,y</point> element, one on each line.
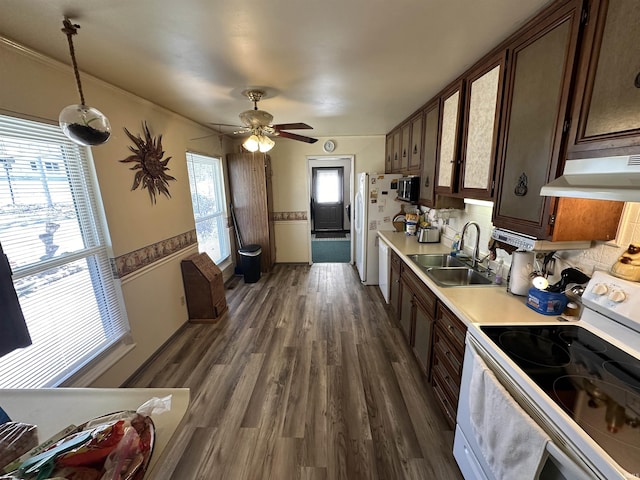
<point>521,267</point>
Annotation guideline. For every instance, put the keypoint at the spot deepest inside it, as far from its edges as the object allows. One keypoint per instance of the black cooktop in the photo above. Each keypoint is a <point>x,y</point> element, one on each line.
<point>594,382</point>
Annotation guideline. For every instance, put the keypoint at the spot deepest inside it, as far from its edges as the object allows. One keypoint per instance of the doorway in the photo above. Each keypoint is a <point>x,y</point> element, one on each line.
<point>327,204</point>
<point>330,183</point>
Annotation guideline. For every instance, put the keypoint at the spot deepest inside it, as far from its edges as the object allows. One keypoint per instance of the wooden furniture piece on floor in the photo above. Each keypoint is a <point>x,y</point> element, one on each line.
<point>203,288</point>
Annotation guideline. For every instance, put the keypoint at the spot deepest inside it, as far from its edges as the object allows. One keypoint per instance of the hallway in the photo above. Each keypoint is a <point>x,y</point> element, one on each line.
<point>307,377</point>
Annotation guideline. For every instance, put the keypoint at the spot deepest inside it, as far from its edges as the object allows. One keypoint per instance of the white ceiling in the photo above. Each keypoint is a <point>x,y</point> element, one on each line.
<point>345,67</point>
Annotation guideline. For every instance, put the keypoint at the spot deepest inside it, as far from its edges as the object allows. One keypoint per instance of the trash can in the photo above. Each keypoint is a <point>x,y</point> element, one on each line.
<point>250,260</point>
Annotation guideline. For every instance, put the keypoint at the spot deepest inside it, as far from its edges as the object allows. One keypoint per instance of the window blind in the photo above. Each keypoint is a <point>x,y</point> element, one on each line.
<point>50,230</point>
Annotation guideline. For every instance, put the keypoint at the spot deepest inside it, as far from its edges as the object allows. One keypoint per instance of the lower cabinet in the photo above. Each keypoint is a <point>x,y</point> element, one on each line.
<point>433,332</point>
<point>417,317</point>
<point>446,361</point>
<point>394,283</point>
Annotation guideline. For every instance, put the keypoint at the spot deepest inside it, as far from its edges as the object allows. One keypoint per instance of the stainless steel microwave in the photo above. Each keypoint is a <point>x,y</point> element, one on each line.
<point>409,189</point>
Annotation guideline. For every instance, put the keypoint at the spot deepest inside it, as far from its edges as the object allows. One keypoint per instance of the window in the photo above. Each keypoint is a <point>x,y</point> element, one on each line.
<point>51,232</point>
<point>209,205</point>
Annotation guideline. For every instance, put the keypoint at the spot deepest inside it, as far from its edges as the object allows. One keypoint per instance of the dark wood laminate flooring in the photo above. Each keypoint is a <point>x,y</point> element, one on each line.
<point>306,377</point>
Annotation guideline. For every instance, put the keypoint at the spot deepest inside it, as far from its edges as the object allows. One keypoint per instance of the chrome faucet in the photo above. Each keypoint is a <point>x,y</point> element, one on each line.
<point>474,255</point>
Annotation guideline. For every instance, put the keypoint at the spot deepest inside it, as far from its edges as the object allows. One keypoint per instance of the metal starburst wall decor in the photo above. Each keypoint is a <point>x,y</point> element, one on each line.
<point>151,168</point>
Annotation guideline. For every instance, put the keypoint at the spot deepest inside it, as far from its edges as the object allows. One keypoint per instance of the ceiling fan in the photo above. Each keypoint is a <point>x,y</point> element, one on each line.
<point>258,122</point>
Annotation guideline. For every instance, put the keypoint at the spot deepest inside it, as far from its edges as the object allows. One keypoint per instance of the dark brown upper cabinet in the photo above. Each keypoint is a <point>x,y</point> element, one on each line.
<point>415,149</point>
<point>448,155</point>
<point>403,152</point>
<point>483,103</point>
<point>541,65</point>
<point>388,154</point>
<point>397,153</point>
<point>429,152</point>
<point>606,107</point>
<point>405,148</point>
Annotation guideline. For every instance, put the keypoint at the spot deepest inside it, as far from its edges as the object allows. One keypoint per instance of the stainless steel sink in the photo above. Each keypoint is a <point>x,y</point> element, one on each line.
<point>430,260</point>
<point>457,277</point>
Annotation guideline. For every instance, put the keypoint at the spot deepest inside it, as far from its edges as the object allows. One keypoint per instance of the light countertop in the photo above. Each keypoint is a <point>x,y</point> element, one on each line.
<point>490,304</point>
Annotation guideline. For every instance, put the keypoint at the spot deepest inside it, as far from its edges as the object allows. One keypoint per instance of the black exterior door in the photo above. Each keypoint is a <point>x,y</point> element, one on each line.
<point>327,204</point>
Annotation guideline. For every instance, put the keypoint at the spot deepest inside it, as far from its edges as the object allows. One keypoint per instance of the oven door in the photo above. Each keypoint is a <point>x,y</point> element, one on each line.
<point>554,462</point>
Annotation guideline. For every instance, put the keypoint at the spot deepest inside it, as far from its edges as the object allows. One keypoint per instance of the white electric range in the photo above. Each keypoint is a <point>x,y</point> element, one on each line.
<point>579,382</point>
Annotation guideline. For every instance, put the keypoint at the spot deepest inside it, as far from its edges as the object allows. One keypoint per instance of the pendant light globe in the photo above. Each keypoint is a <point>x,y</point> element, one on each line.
<point>84,125</point>
<point>81,124</point>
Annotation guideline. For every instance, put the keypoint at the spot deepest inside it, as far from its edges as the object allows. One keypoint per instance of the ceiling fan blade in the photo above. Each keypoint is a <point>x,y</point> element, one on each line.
<point>292,126</point>
<point>293,136</point>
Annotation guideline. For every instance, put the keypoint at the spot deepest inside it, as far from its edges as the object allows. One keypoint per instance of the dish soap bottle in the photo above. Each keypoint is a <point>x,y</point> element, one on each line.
<point>498,279</point>
<point>455,245</point>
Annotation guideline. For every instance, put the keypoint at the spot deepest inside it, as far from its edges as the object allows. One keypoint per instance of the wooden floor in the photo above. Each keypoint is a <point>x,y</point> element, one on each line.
<point>306,377</point>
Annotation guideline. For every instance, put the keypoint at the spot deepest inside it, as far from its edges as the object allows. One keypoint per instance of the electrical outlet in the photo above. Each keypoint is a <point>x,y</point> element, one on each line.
<point>182,300</point>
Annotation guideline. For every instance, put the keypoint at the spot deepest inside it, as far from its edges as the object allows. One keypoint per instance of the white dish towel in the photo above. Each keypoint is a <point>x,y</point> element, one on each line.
<point>513,445</point>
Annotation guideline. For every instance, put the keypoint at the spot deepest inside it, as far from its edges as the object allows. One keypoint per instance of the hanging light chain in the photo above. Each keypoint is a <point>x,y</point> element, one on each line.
<point>70,29</point>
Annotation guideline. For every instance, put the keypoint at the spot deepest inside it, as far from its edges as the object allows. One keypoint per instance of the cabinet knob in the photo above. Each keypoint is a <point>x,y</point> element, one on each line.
<point>404,154</point>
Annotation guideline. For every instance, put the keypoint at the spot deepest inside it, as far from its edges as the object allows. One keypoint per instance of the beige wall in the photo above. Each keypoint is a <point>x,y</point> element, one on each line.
<point>34,86</point>
<point>291,185</point>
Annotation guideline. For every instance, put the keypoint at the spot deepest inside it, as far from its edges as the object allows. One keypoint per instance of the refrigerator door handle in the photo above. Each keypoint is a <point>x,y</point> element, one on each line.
<point>355,213</point>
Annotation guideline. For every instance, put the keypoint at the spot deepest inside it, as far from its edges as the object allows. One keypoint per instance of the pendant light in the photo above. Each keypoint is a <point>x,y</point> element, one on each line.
<point>83,125</point>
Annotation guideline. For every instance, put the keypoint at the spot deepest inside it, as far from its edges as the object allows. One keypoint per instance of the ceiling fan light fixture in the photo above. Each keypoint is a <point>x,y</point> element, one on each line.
<point>256,118</point>
<point>265,144</point>
<point>252,143</point>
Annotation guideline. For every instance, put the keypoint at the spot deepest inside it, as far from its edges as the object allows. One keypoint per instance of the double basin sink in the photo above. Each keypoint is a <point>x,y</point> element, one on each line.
<point>448,271</point>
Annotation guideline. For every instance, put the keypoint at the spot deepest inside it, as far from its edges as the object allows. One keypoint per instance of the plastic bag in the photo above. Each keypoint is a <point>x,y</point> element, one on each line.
<point>16,439</point>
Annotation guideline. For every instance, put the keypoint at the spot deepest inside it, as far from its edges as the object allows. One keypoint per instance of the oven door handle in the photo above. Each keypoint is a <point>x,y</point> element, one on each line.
<point>566,465</point>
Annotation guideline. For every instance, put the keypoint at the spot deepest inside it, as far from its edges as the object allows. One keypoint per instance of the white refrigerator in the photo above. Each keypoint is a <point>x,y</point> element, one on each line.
<point>375,207</point>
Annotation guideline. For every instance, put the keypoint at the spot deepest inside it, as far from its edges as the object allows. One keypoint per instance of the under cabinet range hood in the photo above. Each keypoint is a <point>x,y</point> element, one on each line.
<point>606,178</point>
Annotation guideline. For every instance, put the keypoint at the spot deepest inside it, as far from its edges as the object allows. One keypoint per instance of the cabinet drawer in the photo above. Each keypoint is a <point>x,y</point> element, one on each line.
<point>446,404</point>
<point>450,381</point>
<point>445,354</point>
<point>453,328</point>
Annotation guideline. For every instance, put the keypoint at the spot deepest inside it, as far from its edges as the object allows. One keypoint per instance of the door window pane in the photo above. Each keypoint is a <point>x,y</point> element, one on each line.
<point>328,186</point>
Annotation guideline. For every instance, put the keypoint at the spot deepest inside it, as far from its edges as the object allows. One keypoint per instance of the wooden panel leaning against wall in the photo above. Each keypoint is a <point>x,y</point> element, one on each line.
<point>251,197</point>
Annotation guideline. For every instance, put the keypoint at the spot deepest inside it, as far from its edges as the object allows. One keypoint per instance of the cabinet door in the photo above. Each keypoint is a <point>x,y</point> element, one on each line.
<point>415,151</point>
<point>542,61</point>
<point>388,156</point>
<point>448,151</point>
<point>606,114</point>
<point>405,149</point>
<point>480,135</point>
<point>430,152</point>
<point>422,338</point>
<point>406,311</point>
<point>394,284</point>
<point>397,154</point>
